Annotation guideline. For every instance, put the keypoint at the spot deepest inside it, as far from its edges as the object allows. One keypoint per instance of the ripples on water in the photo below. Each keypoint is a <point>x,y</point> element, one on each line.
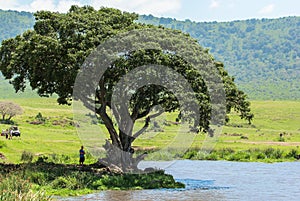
<point>217,181</point>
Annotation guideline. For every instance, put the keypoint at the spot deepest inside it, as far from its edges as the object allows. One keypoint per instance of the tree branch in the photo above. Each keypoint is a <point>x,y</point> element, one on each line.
<point>106,119</point>
<point>143,129</point>
<point>146,125</point>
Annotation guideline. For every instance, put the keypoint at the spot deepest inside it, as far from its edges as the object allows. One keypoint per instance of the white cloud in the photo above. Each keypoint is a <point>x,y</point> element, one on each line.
<point>232,4</point>
<point>64,6</point>
<point>60,6</point>
<point>8,5</point>
<point>267,9</point>
<point>154,7</point>
<point>35,5</point>
<point>42,5</point>
<point>214,4</point>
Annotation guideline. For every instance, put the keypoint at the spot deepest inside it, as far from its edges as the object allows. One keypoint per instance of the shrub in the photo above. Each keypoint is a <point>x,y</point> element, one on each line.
<point>213,156</point>
<point>277,154</point>
<point>148,181</point>
<point>38,178</point>
<point>240,156</point>
<point>223,153</point>
<point>190,154</point>
<point>201,155</point>
<point>273,153</point>
<point>60,182</point>
<point>26,156</point>
<point>292,154</point>
<point>39,118</point>
<point>260,155</point>
<point>14,188</point>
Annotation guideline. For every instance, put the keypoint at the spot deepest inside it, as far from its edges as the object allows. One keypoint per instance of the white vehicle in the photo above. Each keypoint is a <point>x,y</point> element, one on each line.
<point>14,131</point>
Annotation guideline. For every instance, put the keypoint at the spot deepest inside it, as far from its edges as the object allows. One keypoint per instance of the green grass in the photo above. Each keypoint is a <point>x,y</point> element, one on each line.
<point>37,181</point>
<point>271,119</point>
<point>41,139</point>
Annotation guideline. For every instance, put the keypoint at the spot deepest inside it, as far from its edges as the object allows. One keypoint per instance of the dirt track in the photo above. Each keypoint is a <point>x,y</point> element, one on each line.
<point>268,143</point>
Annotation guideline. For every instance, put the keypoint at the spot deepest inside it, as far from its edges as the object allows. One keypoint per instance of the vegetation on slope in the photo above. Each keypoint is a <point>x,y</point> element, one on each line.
<point>14,23</point>
<point>263,55</point>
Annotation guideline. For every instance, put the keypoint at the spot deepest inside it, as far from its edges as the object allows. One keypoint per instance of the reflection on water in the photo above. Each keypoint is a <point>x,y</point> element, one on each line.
<point>204,194</point>
<point>217,181</point>
<point>193,184</point>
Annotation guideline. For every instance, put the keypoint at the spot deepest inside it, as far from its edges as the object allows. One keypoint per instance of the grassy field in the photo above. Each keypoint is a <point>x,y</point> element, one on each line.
<point>58,137</point>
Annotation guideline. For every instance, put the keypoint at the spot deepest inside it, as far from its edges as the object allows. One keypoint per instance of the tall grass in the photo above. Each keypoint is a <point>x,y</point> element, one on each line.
<point>254,154</point>
<point>13,188</point>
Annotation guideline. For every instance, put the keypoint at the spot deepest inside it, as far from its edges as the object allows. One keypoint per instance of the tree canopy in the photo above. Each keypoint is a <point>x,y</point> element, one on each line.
<point>51,56</point>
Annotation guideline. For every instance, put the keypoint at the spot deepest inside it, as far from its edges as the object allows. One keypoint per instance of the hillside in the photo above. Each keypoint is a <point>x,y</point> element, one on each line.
<point>13,23</point>
<point>262,55</point>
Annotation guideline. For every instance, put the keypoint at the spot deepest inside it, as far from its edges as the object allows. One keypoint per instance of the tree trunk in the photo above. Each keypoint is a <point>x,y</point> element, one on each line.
<point>126,141</point>
<point>117,157</point>
<point>120,154</point>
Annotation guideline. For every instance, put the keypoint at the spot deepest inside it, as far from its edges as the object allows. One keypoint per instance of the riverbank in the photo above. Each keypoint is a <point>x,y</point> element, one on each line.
<point>265,155</point>
<point>40,180</point>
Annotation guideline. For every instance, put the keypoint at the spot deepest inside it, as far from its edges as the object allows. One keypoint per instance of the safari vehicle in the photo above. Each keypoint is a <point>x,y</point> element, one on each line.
<point>14,131</point>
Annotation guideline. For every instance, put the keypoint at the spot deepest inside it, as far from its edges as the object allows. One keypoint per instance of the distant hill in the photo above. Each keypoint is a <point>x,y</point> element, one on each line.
<point>13,23</point>
<point>262,55</point>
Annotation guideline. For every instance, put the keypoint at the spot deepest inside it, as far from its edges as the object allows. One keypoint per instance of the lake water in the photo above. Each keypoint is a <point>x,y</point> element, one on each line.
<point>217,181</point>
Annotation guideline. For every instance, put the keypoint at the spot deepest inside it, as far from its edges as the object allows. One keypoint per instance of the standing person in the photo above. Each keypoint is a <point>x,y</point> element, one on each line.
<point>10,134</point>
<point>81,156</point>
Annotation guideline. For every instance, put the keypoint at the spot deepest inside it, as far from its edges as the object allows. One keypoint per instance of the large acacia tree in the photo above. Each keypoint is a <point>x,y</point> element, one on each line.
<point>50,56</point>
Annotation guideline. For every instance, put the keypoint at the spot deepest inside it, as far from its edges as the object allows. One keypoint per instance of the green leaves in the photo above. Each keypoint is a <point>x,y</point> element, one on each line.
<point>50,56</point>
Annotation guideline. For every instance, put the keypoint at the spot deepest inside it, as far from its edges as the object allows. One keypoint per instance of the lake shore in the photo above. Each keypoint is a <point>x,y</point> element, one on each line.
<point>45,179</point>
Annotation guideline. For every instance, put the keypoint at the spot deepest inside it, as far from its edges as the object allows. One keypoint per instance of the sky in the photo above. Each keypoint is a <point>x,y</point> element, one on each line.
<point>195,10</point>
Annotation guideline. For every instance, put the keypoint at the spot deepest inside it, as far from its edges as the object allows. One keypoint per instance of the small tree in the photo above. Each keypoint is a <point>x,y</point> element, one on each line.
<point>9,109</point>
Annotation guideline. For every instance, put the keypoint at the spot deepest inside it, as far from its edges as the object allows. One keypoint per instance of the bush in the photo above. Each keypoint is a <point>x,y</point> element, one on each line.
<point>260,156</point>
<point>225,152</point>
<point>201,155</point>
<point>37,178</point>
<point>27,156</point>
<point>273,153</point>
<point>14,188</point>
<point>153,180</point>
<point>61,182</point>
<point>213,156</point>
<point>292,154</point>
<point>40,119</point>
<point>240,156</point>
<point>190,154</point>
